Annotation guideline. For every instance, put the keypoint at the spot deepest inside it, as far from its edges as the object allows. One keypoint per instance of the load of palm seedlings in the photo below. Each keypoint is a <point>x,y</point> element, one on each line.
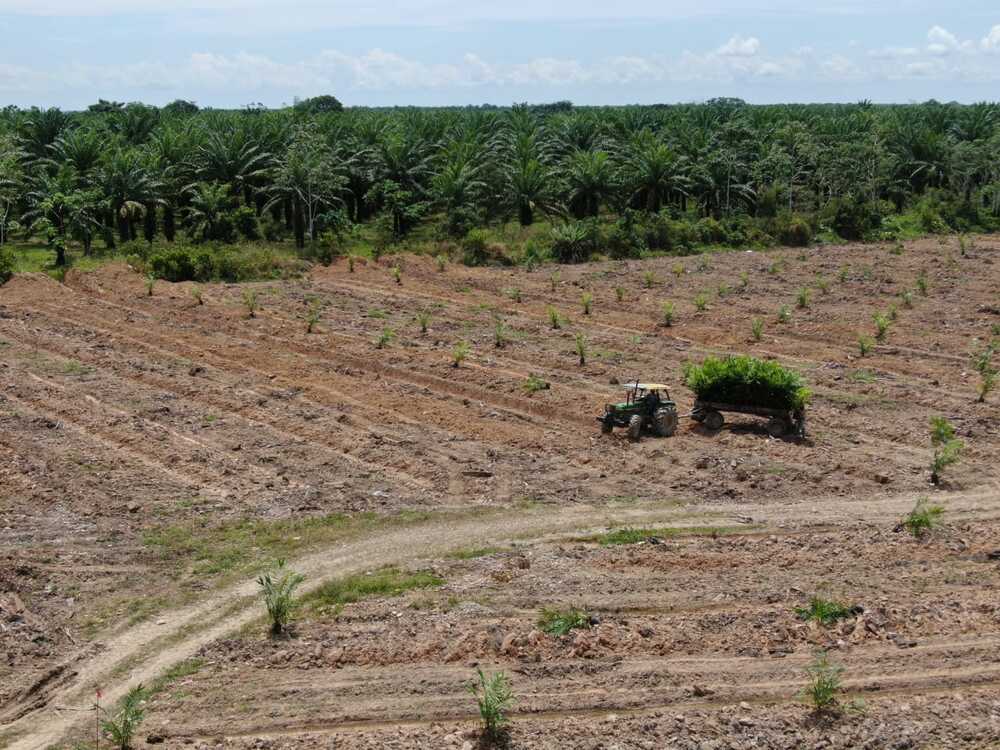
<point>747,381</point>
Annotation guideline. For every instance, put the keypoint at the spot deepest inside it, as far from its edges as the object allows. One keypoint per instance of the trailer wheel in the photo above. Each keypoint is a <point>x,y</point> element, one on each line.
<point>777,427</point>
<point>714,420</point>
<point>665,421</point>
<point>635,428</point>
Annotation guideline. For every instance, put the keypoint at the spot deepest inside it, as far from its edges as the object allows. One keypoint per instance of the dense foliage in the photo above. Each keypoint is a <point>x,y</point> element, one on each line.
<point>617,180</point>
<point>746,381</point>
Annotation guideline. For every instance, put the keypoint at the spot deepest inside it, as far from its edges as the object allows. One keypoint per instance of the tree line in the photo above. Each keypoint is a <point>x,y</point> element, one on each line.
<point>120,173</point>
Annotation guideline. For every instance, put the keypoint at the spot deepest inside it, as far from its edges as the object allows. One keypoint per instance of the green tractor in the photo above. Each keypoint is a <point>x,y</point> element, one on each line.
<point>647,406</point>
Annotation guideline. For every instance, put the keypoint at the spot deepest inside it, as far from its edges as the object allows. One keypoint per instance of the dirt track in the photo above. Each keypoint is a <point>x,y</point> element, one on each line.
<point>123,417</point>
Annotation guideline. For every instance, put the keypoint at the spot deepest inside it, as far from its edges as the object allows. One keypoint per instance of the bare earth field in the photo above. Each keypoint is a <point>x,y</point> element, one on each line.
<point>156,454</point>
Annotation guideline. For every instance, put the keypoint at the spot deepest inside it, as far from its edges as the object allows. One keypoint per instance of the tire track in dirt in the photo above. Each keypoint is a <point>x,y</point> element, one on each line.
<point>148,650</point>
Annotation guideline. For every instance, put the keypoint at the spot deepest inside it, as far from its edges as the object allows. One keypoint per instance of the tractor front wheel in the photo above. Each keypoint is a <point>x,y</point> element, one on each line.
<point>778,427</point>
<point>635,428</point>
<point>607,425</point>
<point>665,421</point>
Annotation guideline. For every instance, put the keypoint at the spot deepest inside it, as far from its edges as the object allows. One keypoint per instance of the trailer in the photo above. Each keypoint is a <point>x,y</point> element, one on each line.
<point>781,422</point>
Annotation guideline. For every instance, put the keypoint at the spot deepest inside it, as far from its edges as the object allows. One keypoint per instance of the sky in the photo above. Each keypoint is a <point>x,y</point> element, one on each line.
<point>229,53</point>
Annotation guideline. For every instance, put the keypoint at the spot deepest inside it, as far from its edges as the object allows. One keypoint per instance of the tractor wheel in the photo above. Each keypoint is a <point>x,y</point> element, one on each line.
<point>607,426</point>
<point>635,428</point>
<point>777,427</point>
<point>665,421</point>
<point>714,420</point>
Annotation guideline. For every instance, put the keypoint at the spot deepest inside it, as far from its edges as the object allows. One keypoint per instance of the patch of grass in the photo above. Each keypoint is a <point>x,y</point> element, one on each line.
<point>824,611</point>
<point>923,518</point>
<point>630,535</point>
<point>862,376</point>
<point>385,582</point>
<point>72,367</point>
<point>559,622</point>
<point>377,313</point>
<point>471,553</point>
<point>177,672</point>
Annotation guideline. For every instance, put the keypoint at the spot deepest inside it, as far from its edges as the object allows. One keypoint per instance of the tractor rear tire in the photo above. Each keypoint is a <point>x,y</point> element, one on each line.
<point>635,428</point>
<point>714,420</point>
<point>778,427</point>
<point>665,422</point>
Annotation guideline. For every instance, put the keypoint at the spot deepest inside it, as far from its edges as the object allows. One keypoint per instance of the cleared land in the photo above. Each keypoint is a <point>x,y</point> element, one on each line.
<point>155,453</point>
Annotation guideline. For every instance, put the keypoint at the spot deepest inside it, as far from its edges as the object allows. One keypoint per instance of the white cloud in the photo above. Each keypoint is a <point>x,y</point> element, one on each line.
<point>991,42</point>
<point>893,53</point>
<point>739,46</point>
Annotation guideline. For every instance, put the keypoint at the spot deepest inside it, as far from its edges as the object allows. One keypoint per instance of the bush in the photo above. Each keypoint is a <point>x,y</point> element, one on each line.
<point>746,380</point>
<point>7,260</point>
<point>854,218</point>
<point>575,241</point>
<point>245,221</point>
<point>794,231</point>
<point>474,247</point>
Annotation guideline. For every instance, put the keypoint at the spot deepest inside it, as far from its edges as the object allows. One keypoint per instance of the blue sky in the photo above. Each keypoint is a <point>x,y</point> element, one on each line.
<point>225,53</point>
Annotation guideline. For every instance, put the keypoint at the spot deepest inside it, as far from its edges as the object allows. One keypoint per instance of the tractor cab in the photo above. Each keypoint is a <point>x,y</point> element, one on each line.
<point>646,406</point>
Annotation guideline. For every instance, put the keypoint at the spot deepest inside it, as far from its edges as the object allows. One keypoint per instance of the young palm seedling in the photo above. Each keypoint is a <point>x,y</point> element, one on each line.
<point>250,302</point>
<point>150,283</point>
<point>423,320</point>
<point>515,294</point>
<point>982,362</point>
<point>122,725</point>
<point>701,302</point>
<point>649,279</point>
<point>619,294</point>
<point>559,622</point>
<point>441,261</point>
<point>494,698</point>
<point>784,314</point>
<point>397,274</point>
<point>757,328</point>
<point>678,269</point>
<point>882,324</point>
<point>581,348</point>
<point>802,298</point>
<point>553,280</point>
<point>533,384</point>
<point>922,284</point>
<point>555,319</point>
<point>824,611</point>
<point>459,353</point>
<point>385,338</point>
<point>824,684</point>
<point>923,518</point>
<point>744,280</point>
<point>865,345</point>
<point>723,291</point>
<point>277,587</point>
<point>197,296</point>
<point>667,311</point>
<point>844,274</point>
<point>906,298</point>
<point>586,300</point>
<point>945,446</point>
<point>313,315</point>
<point>823,284</point>
<point>500,337</point>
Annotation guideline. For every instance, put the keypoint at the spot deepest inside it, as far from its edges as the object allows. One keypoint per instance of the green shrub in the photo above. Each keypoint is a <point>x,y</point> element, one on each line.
<point>277,587</point>
<point>561,621</point>
<point>794,231</point>
<point>575,241</point>
<point>746,380</point>
<point>7,260</point>
<point>474,248</point>
<point>246,223</point>
<point>494,698</point>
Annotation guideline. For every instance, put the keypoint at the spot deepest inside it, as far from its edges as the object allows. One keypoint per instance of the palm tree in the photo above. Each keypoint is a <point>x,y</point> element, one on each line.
<point>128,187</point>
<point>590,182</point>
<point>531,187</point>
<point>654,172</point>
<point>209,203</point>
<point>231,158</point>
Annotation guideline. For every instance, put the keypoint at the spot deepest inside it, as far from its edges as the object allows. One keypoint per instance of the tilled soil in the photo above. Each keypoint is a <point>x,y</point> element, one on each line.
<point>124,417</point>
